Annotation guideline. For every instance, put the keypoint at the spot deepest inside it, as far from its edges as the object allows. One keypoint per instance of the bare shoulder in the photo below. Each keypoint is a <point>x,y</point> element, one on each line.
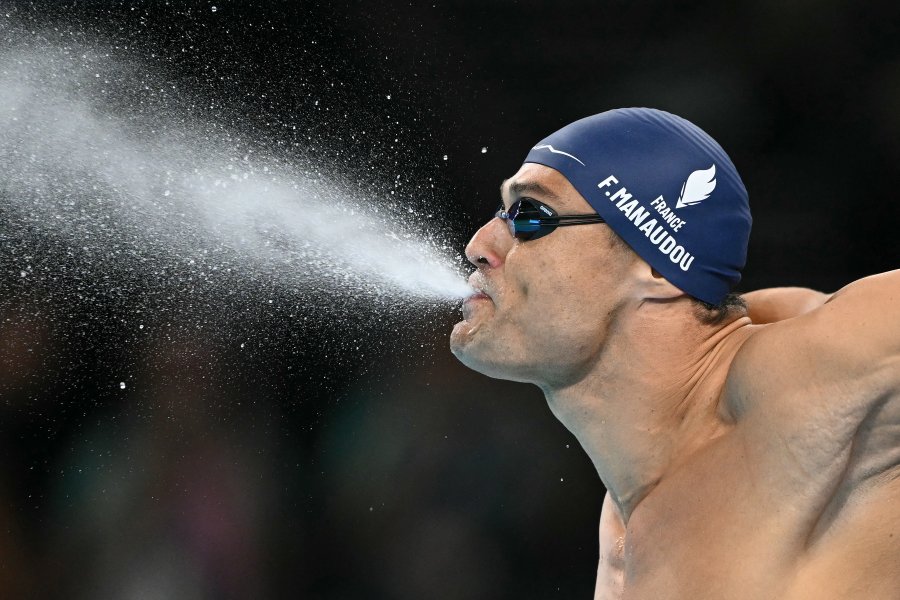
<point>816,398</point>
<point>848,348</point>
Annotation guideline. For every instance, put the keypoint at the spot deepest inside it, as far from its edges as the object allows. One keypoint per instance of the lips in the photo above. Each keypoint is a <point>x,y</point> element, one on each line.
<point>470,307</point>
<point>479,296</point>
<point>477,283</point>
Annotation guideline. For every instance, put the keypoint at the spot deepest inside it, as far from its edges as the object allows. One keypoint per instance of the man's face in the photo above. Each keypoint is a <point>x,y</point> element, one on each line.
<point>547,303</point>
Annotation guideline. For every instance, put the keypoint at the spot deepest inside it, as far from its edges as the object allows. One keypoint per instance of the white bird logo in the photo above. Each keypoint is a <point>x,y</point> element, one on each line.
<point>699,185</point>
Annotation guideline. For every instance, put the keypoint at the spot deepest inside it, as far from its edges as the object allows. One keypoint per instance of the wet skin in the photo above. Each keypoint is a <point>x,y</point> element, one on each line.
<point>536,291</point>
<point>742,460</point>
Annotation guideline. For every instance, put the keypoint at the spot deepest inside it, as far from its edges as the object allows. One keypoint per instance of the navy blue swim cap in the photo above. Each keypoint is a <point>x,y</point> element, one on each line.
<point>665,187</point>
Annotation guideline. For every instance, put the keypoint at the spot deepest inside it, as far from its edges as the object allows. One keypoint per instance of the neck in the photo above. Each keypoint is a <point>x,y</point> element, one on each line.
<point>652,398</point>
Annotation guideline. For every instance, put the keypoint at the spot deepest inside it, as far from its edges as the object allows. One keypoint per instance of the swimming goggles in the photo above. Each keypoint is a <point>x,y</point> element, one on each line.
<point>529,219</point>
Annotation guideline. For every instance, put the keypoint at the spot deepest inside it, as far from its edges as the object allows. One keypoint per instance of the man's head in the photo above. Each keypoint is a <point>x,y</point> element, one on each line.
<point>661,184</point>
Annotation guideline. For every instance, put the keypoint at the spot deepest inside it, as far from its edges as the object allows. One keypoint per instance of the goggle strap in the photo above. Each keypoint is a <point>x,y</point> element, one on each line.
<point>579,218</point>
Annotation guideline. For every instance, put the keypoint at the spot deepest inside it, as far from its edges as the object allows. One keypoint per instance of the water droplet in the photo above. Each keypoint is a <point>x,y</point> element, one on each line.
<point>213,8</point>
<point>484,150</point>
<point>164,236</point>
<point>121,385</point>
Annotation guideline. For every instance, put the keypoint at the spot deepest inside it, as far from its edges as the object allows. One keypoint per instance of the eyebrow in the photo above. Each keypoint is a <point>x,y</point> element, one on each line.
<point>518,188</point>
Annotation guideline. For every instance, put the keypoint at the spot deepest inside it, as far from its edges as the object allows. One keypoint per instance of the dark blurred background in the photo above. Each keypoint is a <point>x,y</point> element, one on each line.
<point>308,465</point>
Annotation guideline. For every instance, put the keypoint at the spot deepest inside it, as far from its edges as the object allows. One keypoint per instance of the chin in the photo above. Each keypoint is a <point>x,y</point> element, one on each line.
<point>472,348</point>
<point>463,342</point>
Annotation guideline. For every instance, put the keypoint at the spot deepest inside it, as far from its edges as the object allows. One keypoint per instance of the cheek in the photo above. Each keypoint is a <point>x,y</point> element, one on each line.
<point>574,272</point>
<point>544,291</point>
<point>559,278</point>
<point>567,291</point>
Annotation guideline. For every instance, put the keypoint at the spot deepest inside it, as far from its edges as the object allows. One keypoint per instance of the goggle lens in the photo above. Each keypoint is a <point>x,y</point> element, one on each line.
<point>529,219</point>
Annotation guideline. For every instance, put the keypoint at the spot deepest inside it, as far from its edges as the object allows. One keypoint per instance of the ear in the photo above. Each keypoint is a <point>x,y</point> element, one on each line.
<point>653,286</point>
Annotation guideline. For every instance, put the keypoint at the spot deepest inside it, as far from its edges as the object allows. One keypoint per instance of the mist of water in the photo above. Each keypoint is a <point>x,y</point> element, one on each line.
<point>96,154</point>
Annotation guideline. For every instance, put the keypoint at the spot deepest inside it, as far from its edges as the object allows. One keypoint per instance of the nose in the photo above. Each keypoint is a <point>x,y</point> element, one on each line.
<point>490,244</point>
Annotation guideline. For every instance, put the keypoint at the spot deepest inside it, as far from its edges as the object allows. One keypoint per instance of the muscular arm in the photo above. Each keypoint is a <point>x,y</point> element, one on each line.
<point>776,304</point>
<point>860,324</point>
<point>821,392</point>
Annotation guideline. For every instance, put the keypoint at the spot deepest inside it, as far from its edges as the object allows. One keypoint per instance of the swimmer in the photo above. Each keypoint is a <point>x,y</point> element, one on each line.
<point>750,446</point>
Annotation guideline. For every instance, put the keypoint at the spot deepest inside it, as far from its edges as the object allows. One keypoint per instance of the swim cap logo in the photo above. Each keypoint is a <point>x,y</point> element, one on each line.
<point>555,151</point>
<point>697,188</point>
